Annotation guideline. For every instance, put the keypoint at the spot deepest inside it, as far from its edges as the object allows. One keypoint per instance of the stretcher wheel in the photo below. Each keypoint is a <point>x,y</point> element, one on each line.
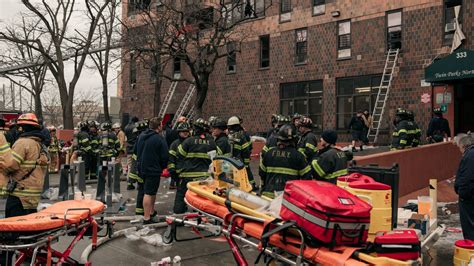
<point>169,234</point>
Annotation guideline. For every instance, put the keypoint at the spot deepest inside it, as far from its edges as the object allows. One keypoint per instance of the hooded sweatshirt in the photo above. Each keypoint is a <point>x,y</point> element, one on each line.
<point>152,154</point>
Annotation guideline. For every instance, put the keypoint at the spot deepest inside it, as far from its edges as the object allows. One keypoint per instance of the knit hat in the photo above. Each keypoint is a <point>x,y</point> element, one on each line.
<point>330,136</point>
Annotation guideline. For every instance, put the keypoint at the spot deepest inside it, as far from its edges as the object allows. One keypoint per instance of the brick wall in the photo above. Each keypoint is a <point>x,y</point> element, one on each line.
<point>253,93</point>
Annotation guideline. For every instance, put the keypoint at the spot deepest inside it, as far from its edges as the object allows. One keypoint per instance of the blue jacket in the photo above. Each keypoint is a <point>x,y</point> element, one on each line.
<point>464,185</point>
<point>152,154</point>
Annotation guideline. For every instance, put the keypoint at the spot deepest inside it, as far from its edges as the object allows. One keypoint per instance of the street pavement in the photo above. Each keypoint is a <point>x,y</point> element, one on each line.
<point>215,251</point>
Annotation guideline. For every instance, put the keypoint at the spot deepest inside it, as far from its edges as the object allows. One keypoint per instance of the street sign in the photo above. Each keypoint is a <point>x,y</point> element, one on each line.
<point>444,108</point>
<point>425,98</point>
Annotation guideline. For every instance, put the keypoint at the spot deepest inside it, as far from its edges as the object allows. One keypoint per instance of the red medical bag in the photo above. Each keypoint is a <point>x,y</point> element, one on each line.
<point>399,245</point>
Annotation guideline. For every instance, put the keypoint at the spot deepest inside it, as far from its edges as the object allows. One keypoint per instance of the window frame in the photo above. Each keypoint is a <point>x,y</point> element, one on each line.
<point>448,36</point>
<point>387,28</point>
<point>318,4</point>
<point>231,57</point>
<point>291,100</point>
<point>339,48</point>
<point>137,6</point>
<point>305,45</point>
<point>176,62</point>
<point>133,71</point>
<point>261,50</point>
<point>372,94</point>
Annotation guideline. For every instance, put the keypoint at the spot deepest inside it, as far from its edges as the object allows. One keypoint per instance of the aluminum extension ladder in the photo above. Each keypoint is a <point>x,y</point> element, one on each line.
<point>184,103</point>
<point>383,93</point>
<point>168,97</point>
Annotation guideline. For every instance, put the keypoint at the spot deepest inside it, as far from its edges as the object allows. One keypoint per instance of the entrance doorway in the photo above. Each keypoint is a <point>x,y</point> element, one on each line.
<point>464,105</point>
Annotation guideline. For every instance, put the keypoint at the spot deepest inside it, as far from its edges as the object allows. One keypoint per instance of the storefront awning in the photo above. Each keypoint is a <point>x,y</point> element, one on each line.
<point>456,66</point>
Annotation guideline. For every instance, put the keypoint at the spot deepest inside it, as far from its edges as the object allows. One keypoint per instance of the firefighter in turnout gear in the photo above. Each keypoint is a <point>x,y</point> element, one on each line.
<point>273,138</point>
<point>330,162</point>
<point>282,163</point>
<point>109,143</point>
<point>415,132</point>
<point>133,171</point>
<point>82,146</point>
<point>5,152</point>
<point>241,145</point>
<point>308,143</point>
<point>26,168</point>
<point>132,137</point>
<point>94,156</point>
<point>218,128</point>
<point>183,130</point>
<point>194,158</point>
<point>401,138</point>
<point>54,148</point>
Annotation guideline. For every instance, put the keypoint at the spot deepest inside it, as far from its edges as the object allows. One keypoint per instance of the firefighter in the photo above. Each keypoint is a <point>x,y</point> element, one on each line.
<point>438,129</point>
<point>116,128</point>
<point>295,120</point>
<point>308,143</point>
<point>183,130</point>
<point>95,151</point>
<point>282,163</point>
<point>330,162</point>
<point>26,169</point>
<point>109,143</point>
<point>241,145</point>
<point>272,139</point>
<point>415,132</point>
<point>218,128</point>
<point>133,172</point>
<point>401,138</point>
<point>132,136</point>
<point>82,145</point>
<point>5,151</point>
<point>194,158</point>
<point>54,148</point>
<point>273,130</point>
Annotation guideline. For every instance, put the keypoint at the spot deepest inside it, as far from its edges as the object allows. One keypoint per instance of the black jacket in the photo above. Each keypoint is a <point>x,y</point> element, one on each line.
<point>402,136</point>
<point>173,162</point>
<point>193,156</point>
<point>223,145</point>
<point>329,164</point>
<point>308,145</point>
<point>438,127</point>
<point>357,123</point>
<point>152,154</point>
<point>132,136</point>
<point>282,164</point>
<point>464,184</point>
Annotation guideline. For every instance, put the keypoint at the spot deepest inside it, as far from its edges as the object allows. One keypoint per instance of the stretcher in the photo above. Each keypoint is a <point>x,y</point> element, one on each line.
<point>31,236</point>
<point>285,242</point>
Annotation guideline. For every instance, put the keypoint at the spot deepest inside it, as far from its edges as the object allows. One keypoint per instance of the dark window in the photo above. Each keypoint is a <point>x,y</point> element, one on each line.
<point>203,18</point>
<point>231,58</point>
<point>319,7</point>
<point>285,6</point>
<point>153,73</point>
<point>301,46</point>
<point>176,65</point>
<point>135,6</point>
<point>394,30</point>
<point>133,70</point>
<point>449,26</point>
<point>265,51</point>
<point>353,94</point>
<point>305,98</point>
<point>239,10</point>
<point>344,39</point>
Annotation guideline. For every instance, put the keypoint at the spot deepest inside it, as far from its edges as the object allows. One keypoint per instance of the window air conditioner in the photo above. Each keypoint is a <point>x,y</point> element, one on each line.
<point>450,27</point>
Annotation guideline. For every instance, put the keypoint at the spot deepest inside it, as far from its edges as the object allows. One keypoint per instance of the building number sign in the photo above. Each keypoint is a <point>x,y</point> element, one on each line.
<point>461,55</point>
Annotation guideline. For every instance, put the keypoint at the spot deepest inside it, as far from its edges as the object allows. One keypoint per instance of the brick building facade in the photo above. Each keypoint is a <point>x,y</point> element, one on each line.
<point>326,61</point>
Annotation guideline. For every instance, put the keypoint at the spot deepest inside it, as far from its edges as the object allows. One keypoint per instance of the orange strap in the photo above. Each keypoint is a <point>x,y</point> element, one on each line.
<point>48,260</point>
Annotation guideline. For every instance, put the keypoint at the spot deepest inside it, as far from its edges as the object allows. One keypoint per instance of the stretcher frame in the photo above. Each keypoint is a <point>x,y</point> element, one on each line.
<point>45,239</point>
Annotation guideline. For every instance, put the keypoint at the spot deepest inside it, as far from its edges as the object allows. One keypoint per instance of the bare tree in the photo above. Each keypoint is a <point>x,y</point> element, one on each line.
<point>86,106</point>
<point>30,79</point>
<point>52,108</point>
<point>198,34</point>
<point>106,37</point>
<point>55,18</point>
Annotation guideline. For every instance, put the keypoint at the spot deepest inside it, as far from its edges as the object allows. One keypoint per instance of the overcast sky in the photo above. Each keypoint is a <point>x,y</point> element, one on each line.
<point>90,79</point>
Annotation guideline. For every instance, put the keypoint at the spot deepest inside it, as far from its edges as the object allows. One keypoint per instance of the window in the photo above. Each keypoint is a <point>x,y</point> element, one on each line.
<point>133,70</point>
<point>304,98</point>
<point>153,73</point>
<point>394,30</point>
<point>344,39</point>
<point>265,51</point>
<point>135,6</point>
<point>319,7</point>
<point>285,10</point>
<point>354,94</point>
<point>301,46</point>
<point>239,10</point>
<point>231,58</point>
<point>449,26</point>
<point>203,18</point>
<point>176,66</point>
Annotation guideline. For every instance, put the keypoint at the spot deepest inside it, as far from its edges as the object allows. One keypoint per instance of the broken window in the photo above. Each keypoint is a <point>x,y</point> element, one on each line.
<point>301,46</point>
